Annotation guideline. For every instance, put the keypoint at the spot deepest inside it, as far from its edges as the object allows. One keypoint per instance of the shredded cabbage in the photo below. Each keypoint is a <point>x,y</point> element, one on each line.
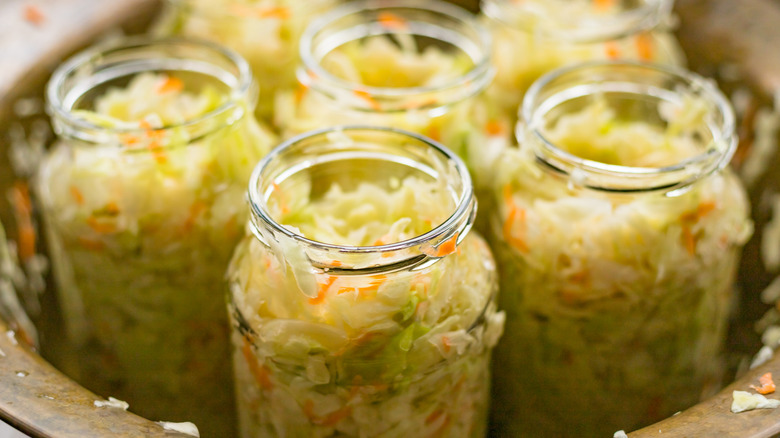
<point>616,304</point>
<point>380,354</point>
<point>141,225</point>
<point>533,37</point>
<point>465,124</point>
<point>265,32</point>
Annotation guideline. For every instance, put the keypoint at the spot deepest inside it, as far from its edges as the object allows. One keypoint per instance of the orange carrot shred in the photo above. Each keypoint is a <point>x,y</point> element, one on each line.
<point>100,227</point>
<point>22,205</point>
<point>322,292</point>
<point>171,85</point>
<point>644,47</point>
<point>366,96</point>
<point>260,372</point>
<point>279,12</point>
<point>434,132</point>
<point>603,4</point>
<point>435,415</point>
<point>33,15</point>
<point>92,245</point>
<point>445,342</point>
<point>767,384</point>
<point>689,240</point>
<point>392,21</point>
<point>494,128</point>
<point>282,198</point>
<point>612,50</point>
<point>448,247</point>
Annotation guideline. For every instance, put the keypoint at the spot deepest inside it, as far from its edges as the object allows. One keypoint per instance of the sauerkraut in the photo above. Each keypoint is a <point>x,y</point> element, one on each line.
<point>390,352</point>
<point>265,32</point>
<point>533,37</point>
<point>408,72</point>
<point>616,303</point>
<point>141,223</point>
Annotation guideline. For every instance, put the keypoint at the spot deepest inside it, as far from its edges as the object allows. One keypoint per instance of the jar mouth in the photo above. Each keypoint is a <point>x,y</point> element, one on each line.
<point>590,27</point>
<point>340,143</point>
<point>419,17</point>
<point>101,64</point>
<point>636,82</point>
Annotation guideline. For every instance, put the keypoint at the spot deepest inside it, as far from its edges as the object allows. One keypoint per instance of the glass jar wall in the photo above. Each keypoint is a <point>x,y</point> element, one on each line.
<point>362,304</point>
<point>414,65</point>
<point>143,202</point>
<point>265,32</point>
<point>533,37</point>
<point>617,228</point>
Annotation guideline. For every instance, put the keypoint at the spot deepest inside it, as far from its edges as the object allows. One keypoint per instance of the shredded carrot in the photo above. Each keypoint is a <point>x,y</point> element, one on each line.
<point>300,93</point>
<point>129,139</point>
<point>279,12</point>
<point>688,240</point>
<point>435,415</point>
<point>101,227</point>
<point>366,96</point>
<point>92,245</point>
<point>22,205</point>
<point>322,292</point>
<point>644,47</point>
<point>171,85</point>
<point>336,263</point>
<point>494,128</point>
<point>445,342</point>
<point>434,132</point>
<point>420,103</point>
<point>156,150</point>
<point>196,209</point>
<point>335,417</point>
<point>767,384</point>
<point>612,50</point>
<point>283,204</point>
<point>329,420</point>
<point>448,247</point>
<point>33,15</point>
<point>393,21</point>
<point>603,4</point>
<point>701,210</point>
<point>704,208</point>
<point>516,215</point>
<point>77,195</point>
<point>260,372</point>
<point>581,277</point>
<point>362,290</point>
<point>111,209</point>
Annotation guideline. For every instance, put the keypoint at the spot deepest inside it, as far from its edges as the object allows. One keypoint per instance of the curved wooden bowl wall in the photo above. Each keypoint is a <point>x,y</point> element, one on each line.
<point>45,403</point>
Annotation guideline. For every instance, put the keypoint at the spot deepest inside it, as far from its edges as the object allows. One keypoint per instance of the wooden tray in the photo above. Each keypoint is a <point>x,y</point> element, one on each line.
<point>743,35</point>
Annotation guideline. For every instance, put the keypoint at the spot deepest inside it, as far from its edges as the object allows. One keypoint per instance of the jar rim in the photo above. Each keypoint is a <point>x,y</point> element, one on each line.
<point>458,223</point>
<point>714,157</point>
<point>649,15</point>
<point>242,88</point>
<point>311,72</point>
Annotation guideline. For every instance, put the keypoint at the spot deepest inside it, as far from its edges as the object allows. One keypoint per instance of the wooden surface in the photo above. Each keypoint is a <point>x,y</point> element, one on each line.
<point>41,402</point>
<point>713,417</point>
<point>45,403</point>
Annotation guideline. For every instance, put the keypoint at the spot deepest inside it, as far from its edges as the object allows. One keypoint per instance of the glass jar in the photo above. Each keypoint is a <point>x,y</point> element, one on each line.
<point>143,201</point>
<point>533,37</point>
<point>264,32</point>
<point>362,304</point>
<point>410,64</point>
<point>617,229</point>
